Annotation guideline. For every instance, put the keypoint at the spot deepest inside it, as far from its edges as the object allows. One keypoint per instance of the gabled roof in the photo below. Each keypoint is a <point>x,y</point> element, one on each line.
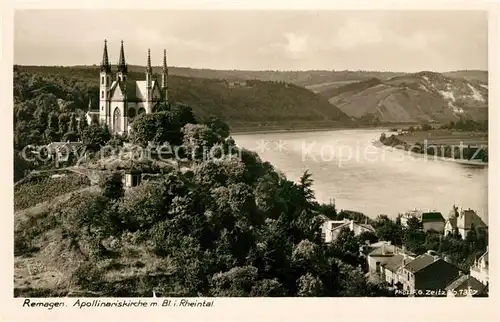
<point>463,282</point>
<point>420,263</point>
<point>469,218</point>
<point>368,226</point>
<point>484,258</point>
<point>136,91</point>
<point>396,262</point>
<point>432,217</point>
<point>384,250</point>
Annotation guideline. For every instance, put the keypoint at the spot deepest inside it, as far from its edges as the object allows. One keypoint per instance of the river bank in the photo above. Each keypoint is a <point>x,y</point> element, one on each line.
<point>463,147</point>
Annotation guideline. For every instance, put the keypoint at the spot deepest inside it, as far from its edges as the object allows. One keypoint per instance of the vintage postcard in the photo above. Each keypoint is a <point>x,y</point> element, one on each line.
<point>183,161</point>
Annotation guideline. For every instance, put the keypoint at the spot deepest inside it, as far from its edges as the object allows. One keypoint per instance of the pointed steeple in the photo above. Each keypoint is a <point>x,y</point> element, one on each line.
<point>122,66</point>
<point>164,77</point>
<point>148,66</point>
<point>165,69</point>
<point>105,66</point>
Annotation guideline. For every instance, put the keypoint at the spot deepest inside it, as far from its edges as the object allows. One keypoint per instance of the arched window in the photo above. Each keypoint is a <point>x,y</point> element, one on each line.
<point>117,122</point>
<point>141,111</point>
<point>131,112</point>
<point>102,79</point>
<point>102,94</point>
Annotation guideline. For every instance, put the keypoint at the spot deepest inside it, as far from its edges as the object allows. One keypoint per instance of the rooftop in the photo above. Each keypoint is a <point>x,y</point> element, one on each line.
<point>432,217</point>
<point>464,282</point>
<point>420,262</point>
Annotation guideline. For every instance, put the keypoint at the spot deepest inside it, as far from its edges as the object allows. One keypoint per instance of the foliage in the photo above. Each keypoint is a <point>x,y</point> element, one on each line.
<point>42,187</point>
<point>112,186</point>
<point>96,134</point>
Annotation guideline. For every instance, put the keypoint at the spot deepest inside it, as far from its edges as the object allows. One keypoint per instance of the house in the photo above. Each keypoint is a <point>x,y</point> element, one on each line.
<point>463,221</point>
<point>410,214</point>
<point>392,268</point>
<point>479,270</point>
<point>330,229</point>
<point>432,221</point>
<point>132,178</point>
<point>466,286</point>
<point>381,254</point>
<point>427,272</point>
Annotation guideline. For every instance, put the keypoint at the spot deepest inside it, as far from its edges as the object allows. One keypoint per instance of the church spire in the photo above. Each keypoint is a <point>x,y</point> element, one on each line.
<point>148,67</point>
<point>164,77</point>
<point>165,69</point>
<point>122,66</point>
<point>105,66</point>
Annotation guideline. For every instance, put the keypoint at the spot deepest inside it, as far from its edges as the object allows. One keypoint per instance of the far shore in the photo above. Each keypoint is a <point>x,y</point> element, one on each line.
<point>314,129</point>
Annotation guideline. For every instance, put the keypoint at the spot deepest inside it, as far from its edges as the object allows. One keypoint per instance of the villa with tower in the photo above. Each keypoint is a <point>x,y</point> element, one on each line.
<point>121,99</point>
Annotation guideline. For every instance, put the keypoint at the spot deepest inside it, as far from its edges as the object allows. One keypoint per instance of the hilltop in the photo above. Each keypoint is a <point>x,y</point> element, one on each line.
<point>248,104</point>
<point>419,97</point>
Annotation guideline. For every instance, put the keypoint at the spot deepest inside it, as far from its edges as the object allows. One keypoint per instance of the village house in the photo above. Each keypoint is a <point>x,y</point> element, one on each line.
<point>432,221</point>
<point>427,272</point>
<point>479,270</point>
<point>381,254</point>
<point>392,268</point>
<point>463,221</point>
<point>466,286</point>
<point>330,229</point>
<point>410,214</point>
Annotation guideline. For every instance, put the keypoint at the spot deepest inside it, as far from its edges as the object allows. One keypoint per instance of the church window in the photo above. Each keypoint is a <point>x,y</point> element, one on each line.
<point>116,120</point>
<point>102,94</point>
<point>102,79</point>
<point>102,108</point>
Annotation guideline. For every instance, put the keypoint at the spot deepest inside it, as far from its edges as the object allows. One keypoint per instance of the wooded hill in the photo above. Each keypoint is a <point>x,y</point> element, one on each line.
<point>250,104</point>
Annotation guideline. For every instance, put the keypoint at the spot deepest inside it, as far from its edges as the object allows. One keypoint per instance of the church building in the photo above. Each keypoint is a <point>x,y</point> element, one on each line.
<point>121,99</point>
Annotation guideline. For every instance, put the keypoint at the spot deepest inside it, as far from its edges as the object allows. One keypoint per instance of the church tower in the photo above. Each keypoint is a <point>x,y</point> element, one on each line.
<point>121,75</point>
<point>105,83</point>
<point>164,77</point>
<point>149,84</point>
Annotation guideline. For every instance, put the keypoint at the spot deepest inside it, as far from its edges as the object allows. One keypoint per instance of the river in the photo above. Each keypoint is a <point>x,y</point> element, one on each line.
<point>347,167</point>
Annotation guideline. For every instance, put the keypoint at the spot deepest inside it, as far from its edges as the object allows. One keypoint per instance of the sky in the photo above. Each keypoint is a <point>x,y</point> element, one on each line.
<point>404,41</point>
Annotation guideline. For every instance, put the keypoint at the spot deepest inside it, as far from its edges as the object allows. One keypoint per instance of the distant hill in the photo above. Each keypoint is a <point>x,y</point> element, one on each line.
<point>252,103</point>
<point>477,76</point>
<point>307,78</point>
<point>424,96</point>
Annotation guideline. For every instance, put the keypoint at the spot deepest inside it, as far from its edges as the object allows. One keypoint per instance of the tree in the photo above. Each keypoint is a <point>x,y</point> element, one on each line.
<point>157,128</point>
<point>96,134</point>
<point>184,114</point>
<point>414,223</point>
<point>70,137</point>
<point>72,127</point>
<point>52,132</point>
<point>309,285</point>
<point>388,230</point>
<point>219,127</point>
<point>112,186</point>
<point>346,242</point>
<point>63,123</point>
<point>198,140</point>
<point>82,126</point>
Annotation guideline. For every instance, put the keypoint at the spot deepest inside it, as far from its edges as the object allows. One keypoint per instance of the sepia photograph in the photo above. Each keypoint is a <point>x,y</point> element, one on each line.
<point>199,154</point>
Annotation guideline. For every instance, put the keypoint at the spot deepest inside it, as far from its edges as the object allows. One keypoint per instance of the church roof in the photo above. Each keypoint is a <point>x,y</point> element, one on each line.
<point>136,90</point>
